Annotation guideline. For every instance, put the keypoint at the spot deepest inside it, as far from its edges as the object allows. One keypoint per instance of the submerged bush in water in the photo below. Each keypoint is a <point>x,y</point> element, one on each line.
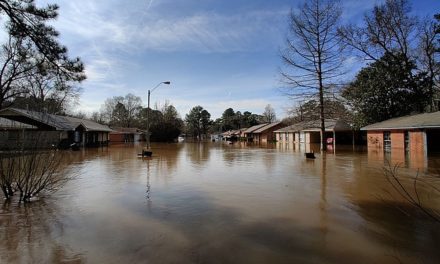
<point>29,172</point>
<point>410,192</point>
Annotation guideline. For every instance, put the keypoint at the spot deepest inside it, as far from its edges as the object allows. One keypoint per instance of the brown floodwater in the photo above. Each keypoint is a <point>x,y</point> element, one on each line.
<point>220,203</point>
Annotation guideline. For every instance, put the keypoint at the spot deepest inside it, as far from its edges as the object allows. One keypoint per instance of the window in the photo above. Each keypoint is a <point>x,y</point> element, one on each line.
<point>287,136</point>
<point>387,140</point>
<point>406,140</point>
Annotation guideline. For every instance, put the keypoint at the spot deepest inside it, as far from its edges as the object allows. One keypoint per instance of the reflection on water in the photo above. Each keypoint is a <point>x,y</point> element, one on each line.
<point>221,203</point>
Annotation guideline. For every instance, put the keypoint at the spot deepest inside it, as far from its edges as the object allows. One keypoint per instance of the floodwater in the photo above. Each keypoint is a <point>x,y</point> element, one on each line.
<point>220,203</point>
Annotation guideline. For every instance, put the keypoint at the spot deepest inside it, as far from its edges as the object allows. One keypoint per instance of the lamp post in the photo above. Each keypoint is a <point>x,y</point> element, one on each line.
<point>147,151</point>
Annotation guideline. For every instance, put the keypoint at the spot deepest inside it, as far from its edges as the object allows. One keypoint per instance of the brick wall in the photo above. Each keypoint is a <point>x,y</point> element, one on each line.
<point>398,139</point>
<point>375,139</point>
<point>417,141</point>
<point>417,154</point>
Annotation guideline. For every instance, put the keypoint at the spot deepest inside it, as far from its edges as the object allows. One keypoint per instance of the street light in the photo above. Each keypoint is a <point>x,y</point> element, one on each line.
<point>147,151</point>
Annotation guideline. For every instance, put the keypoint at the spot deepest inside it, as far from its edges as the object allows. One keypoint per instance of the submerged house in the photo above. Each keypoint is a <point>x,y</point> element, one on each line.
<point>415,133</point>
<point>262,133</point>
<point>126,134</point>
<point>44,130</point>
<point>337,131</point>
<point>234,135</point>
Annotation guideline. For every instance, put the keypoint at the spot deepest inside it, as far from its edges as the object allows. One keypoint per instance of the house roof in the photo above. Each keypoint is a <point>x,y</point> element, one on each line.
<point>10,124</point>
<point>254,128</point>
<point>266,127</point>
<point>425,120</point>
<point>50,121</point>
<point>231,133</point>
<point>315,126</point>
<point>127,130</point>
<point>89,125</point>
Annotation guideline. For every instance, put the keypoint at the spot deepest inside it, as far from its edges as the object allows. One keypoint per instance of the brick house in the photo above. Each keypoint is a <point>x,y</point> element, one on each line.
<point>262,133</point>
<point>126,134</point>
<point>337,131</point>
<point>417,134</point>
<point>43,130</point>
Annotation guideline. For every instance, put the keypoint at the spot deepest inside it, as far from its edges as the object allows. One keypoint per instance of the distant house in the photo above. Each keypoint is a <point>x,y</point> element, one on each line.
<point>51,130</point>
<point>262,133</point>
<point>415,133</point>
<point>126,134</point>
<point>337,131</point>
<point>215,137</point>
<point>234,135</point>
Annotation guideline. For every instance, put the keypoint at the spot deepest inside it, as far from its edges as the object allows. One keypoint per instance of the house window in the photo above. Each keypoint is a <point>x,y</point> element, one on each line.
<point>387,140</point>
<point>406,138</point>
<point>287,136</point>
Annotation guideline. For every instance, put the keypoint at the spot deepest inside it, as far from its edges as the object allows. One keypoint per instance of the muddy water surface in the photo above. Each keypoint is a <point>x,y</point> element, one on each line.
<point>220,203</point>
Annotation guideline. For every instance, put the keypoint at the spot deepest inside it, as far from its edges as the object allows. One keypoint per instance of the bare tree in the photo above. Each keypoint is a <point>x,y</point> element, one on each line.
<point>428,58</point>
<point>387,29</point>
<point>97,117</point>
<point>313,53</point>
<point>269,115</point>
<point>133,104</point>
<point>30,169</point>
<point>121,111</point>
<point>45,89</point>
<point>15,65</point>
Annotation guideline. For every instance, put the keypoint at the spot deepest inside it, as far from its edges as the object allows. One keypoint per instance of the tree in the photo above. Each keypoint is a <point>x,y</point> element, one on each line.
<point>250,119</point>
<point>132,104</point>
<point>238,120</point>
<point>166,124</point>
<point>119,114</point>
<point>29,170</point>
<point>384,90</point>
<point>44,89</point>
<point>122,111</point>
<point>198,121</point>
<point>269,115</point>
<point>16,64</point>
<point>428,58</point>
<point>32,51</point>
<point>389,30</point>
<point>228,118</point>
<point>231,120</point>
<point>108,107</point>
<point>312,52</point>
<point>27,22</point>
<point>97,117</point>
<point>309,110</point>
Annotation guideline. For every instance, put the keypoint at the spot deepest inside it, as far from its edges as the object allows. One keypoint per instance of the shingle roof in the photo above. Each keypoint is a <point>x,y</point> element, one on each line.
<point>11,124</point>
<point>253,128</point>
<point>89,125</point>
<point>54,121</point>
<point>315,125</point>
<point>266,127</point>
<point>425,120</point>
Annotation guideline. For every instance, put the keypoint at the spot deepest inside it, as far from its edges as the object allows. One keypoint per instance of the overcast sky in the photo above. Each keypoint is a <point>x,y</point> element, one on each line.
<point>216,53</point>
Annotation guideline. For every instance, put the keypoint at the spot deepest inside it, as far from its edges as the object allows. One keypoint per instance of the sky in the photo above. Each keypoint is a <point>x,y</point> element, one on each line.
<point>216,53</point>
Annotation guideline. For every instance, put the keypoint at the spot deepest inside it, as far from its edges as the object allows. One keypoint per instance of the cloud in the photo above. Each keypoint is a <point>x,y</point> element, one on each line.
<point>134,27</point>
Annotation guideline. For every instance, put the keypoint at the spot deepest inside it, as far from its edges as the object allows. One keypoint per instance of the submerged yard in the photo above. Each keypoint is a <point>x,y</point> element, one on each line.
<point>219,203</point>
